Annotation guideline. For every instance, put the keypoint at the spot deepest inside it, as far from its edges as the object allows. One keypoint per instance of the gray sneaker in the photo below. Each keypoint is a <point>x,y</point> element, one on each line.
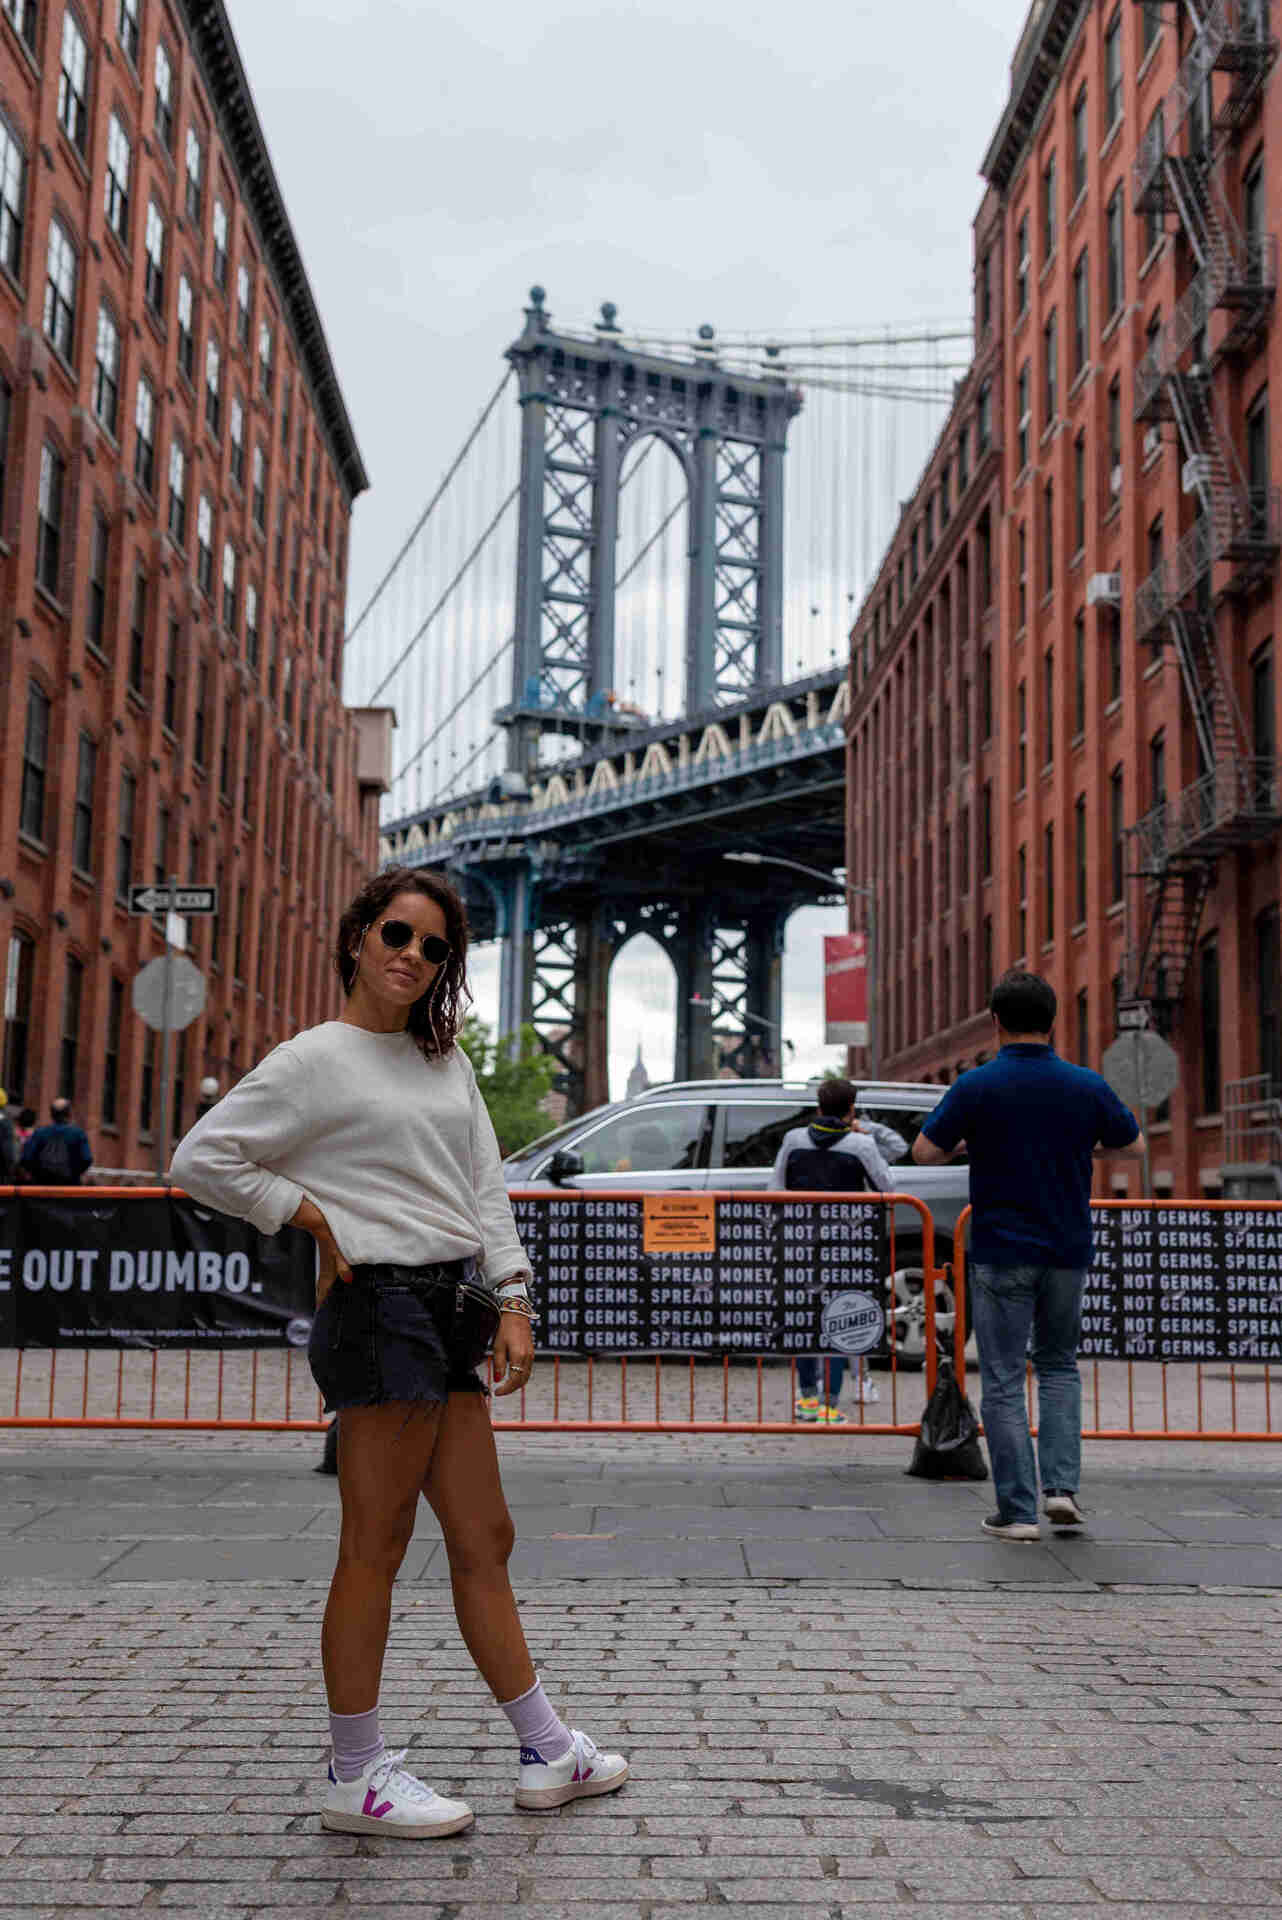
<point>1011,1529</point>
<point>1062,1510</point>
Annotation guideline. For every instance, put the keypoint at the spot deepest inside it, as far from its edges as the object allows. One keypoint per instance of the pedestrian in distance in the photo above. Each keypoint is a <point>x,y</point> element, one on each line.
<point>1031,1125</point>
<point>26,1125</point>
<point>57,1155</point>
<point>9,1144</point>
<point>369,1133</point>
<point>835,1154</point>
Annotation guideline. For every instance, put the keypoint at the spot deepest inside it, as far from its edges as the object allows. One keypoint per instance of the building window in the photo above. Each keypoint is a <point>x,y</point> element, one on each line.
<point>963,849</point>
<point>1079,493</point>
<point>1080,149</point>
<point>1113,72</point>
<point>125,833</point>
<point>244,304</point>
<point>1081,312</point>
<point>177,492</point>
<point>169,706</point>
<point>1050,369</point>
<point>82,819</point>
<point>145,445</point>
<point>1208,972</point>
<point>195,189</point>
<point>1048,536</point>
<point>35,762</point>
<point>286,403</point>
<point>164,96</point>
<point>119,168</point>
<point>1024,413</point>
<point>1268,976</point>
<point>1022,265</point>
<point>106,372</point>
<point>111,1058</point>
<point>266,354</point>
<point>1050,208</point>
<point>186,327</point>
<point>1116,282</point>
<point>229,586</point>
<point>1079,674</point>
<point>49,521</point>
<point>1114,434</point>
<point>1083,1029</point>
<point>1257,459</point>
<point>127,27</point>
<point>154,284</point>
<point>99,551</point>
<point>236,422</point>
<point>1021,578</point>
<point>247,773</point>
<point>1116,833</point>
<point>1152,23</point>
<point>18,987</point>
<point>1048,864</point>
<point>963,474</point>
<point>1157,770</point>
<point>259,489</point>
<point>147,1083</point>
<point>300,453</point>
<point>984,418</point>
<point>213,387</point>
<point>251,625</point>
<point>13,193</point>
<point>73,82</point>
<point>986,832</point>
<point>1114,619</point>
<point>1021,900</point>
<point>986,290</point>
<point>1154,142</point>
<point>986,694</point>
<point>1079,859</point>
<point>23,15</point>
<point>205,547</point>
<point>1048,707</point>
<point>60,290</point>
<point>138,631</point>
<point>224,757</point>
<point>1021,736</point>
<point>220,245</point>
<point>200,721</point>
<point>68,1046</point>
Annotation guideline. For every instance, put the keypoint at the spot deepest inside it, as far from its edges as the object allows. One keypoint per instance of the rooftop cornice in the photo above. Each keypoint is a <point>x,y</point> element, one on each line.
<point>1034,72</point>
<point>214,43</point>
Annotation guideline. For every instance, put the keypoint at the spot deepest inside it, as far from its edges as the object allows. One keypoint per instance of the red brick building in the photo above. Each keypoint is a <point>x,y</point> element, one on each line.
<point>177,475</point>
<point>1066,707</point>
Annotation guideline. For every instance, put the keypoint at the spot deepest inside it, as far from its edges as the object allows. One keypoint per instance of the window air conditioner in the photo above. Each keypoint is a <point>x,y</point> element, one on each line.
<point>1106,587</point>
<point>1115,481</point>
<point>1152,441</point>
<point>1195,473</point>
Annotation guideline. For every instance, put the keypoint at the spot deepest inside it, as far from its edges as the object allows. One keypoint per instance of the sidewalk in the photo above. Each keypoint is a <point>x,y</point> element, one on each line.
<point>837,1698</point>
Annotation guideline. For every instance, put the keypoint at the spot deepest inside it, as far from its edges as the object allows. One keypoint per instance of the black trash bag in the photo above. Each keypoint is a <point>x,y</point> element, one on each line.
<point>948,1446</point>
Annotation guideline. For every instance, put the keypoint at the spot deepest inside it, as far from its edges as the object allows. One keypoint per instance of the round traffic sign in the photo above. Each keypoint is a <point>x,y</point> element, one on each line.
<point>186,992</point>
<point>1142,1068</point>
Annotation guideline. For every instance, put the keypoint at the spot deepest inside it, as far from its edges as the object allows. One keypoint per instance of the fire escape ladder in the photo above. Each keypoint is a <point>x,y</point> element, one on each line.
<point>1170,897</point>
<point>1217,718</point>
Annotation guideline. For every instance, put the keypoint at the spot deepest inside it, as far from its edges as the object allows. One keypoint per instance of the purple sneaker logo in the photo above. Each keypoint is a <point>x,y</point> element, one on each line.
<point>585,1774</point>
<point>377,1810</point>
<point>531,1757</point>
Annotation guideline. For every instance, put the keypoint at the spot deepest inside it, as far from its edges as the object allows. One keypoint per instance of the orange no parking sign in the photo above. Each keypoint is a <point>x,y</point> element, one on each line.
<point>679,1223</point>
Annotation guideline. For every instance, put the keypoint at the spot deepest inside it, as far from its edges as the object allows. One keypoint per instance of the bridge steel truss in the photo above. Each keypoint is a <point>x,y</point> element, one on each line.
<point>631,839</point>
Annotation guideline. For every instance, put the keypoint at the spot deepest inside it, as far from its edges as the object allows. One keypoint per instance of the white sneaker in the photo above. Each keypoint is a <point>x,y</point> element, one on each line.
<point>866,1391</point>
<point>386,1799</point>
<point>583,1770</point>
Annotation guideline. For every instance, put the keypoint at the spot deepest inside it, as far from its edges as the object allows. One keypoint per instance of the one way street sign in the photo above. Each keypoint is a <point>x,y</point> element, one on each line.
<point>145,899</point>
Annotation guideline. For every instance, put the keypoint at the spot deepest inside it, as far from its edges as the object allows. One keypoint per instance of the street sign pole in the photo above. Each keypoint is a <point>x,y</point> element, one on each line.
<point>162,1131</point>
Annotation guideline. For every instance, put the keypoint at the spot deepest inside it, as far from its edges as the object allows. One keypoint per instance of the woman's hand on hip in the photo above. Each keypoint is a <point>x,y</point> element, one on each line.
<point>513,1353</point>
<point>333,1266</point>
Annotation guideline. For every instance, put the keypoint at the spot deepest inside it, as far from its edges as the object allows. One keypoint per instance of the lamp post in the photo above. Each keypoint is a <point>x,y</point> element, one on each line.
<point>849,887</point>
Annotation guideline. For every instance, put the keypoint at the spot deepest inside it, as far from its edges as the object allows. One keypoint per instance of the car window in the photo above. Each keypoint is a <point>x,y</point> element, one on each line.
<point>659,1139</point>
<point>906,1121</point>
<point>754,1130</point>
<point>546,1141</point>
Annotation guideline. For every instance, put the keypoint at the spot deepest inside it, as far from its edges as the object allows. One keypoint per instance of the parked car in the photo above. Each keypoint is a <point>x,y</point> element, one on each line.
<point>718,1135</point>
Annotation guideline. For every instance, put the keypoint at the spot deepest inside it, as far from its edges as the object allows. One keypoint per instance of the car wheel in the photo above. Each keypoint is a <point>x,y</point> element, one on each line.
<point>907,1303</point>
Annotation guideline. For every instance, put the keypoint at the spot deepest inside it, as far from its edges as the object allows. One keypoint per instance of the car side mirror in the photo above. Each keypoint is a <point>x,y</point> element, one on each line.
<point>564,1165</point>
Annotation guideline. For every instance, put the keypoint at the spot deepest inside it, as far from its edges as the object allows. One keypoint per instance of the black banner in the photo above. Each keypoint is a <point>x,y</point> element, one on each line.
<point>1184,1283</point>
<point>615,1275</point>
<point>151,1271</point>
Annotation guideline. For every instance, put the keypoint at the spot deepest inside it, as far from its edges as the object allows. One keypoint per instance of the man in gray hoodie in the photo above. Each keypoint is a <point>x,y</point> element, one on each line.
<point>835,1154</point>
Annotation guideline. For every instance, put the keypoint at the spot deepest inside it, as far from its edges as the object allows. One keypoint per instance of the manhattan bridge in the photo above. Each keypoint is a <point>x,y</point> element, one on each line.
<point>615,646</point>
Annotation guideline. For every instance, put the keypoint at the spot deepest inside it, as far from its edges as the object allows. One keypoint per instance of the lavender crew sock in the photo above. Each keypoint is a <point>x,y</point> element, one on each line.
<point>536,1726</point>
<point>356,1741</point>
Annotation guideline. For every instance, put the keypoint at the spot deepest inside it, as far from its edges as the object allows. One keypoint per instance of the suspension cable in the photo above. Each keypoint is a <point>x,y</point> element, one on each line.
<point>430,508</point>
<point>457,775</point>
<point>652,542</point>
<point>462,700</point>
<point>410,645</point>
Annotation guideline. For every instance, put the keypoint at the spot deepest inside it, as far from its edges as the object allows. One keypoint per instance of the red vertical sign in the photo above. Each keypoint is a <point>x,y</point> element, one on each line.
<point>846,989</point>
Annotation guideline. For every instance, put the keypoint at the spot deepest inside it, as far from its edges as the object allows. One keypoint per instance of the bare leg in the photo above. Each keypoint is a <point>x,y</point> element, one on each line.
<point>383,1454</point>
<point>463,1488</point>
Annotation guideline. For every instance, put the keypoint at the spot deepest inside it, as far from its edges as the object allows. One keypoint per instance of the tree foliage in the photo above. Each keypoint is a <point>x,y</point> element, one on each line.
<point>513,1081</point>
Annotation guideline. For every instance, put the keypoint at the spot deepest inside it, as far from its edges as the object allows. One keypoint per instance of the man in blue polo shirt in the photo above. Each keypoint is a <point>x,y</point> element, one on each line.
<point>1031,1125</point>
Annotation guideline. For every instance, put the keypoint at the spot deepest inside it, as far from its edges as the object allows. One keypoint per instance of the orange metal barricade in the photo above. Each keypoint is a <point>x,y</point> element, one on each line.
<point>270,1390</point>
<point>1201,1387</point>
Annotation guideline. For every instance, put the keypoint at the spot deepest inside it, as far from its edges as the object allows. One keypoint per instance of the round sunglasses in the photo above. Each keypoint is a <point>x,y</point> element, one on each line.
<point>396,935</point>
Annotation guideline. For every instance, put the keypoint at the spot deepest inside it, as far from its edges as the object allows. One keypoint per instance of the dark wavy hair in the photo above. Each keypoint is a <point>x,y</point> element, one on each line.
<point>436,1017</point>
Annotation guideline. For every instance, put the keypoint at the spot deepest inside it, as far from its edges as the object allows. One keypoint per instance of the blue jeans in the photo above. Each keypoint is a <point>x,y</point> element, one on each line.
<point>810,1374</point>
<point>1007,1305</point>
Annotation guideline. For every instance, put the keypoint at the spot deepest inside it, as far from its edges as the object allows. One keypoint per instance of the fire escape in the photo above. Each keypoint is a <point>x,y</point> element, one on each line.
<point>1231,549</point>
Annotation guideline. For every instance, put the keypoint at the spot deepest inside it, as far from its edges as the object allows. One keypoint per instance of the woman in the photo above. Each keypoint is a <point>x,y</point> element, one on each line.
<point>369,1133</point>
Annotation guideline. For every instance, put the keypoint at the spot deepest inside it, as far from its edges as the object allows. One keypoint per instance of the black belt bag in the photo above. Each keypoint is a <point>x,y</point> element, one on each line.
<point>468,1324</point>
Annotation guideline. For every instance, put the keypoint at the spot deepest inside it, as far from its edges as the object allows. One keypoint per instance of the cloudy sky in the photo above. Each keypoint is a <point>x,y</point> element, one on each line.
<point>761,168</point>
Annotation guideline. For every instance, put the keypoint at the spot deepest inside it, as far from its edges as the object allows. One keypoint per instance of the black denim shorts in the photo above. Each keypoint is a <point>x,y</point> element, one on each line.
<point>401,1333</point>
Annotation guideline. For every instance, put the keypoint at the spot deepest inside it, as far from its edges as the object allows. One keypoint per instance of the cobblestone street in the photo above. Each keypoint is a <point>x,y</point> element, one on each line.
<point>836,1697</point>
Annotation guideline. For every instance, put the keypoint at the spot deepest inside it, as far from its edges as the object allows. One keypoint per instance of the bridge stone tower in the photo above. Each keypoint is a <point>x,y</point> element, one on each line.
<point>586,402</point>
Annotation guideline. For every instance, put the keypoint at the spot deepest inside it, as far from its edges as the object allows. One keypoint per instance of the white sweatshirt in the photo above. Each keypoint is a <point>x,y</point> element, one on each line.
<point>398,1152</point>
